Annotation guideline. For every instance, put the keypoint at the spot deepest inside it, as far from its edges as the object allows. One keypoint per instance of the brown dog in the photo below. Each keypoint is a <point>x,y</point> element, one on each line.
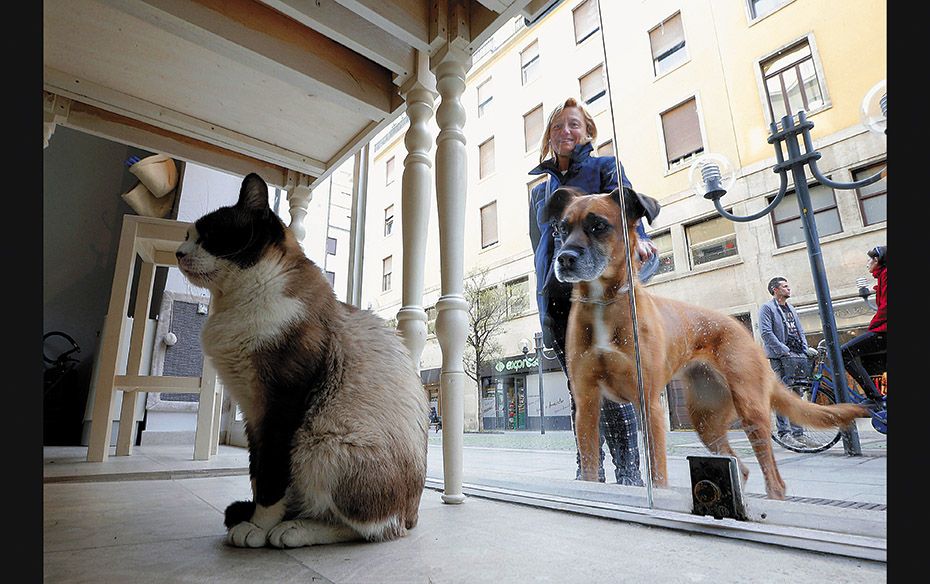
<point>600,350</point>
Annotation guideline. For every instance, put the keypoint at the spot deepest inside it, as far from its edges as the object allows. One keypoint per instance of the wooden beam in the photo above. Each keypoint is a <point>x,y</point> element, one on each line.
<point>348,28</point>
<point>408,20</point>
<point>259,37</point>
<point>129,130</point>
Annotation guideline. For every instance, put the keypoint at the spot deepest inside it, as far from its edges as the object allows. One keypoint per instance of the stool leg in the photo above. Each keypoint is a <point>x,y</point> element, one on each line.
<point>127,419</point>
<point>217,418</point>
<point>206,418</point>
<point>101,427</point>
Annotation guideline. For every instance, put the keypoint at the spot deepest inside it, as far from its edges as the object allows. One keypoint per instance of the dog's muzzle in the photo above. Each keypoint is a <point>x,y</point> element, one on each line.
<point>566,262</point>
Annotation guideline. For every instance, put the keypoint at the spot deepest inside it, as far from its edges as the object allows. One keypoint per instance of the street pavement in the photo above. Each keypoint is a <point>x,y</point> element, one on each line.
<point>825,487</point>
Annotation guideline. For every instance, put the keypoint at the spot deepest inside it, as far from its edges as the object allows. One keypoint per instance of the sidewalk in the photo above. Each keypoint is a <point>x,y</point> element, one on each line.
<point>156,516</point>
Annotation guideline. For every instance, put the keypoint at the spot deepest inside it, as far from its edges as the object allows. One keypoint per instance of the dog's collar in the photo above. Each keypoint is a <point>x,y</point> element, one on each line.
<point>621,290</point>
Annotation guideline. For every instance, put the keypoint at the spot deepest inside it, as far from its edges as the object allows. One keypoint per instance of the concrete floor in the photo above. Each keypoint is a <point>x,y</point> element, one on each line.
<point>157,516</point>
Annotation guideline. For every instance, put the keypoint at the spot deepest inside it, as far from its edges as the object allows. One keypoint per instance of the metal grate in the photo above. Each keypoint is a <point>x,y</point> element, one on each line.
<point>828,502</point>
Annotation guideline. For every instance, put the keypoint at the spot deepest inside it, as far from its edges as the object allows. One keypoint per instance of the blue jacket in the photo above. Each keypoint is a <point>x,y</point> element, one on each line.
<point>592,174</point>
<point>773,330</point>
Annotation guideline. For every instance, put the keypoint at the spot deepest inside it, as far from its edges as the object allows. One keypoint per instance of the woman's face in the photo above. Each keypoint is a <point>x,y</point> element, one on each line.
<point>567,131</point>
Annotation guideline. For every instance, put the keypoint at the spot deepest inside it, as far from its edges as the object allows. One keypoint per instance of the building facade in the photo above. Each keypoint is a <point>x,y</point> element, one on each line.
<point>680,79</point>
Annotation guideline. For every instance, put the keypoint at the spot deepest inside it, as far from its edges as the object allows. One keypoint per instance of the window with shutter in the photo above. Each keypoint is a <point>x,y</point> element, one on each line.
<point>682,132</point>
<point>386,269</point>
<point>592,85</point>
<point>489,224</point>
<point>532,128</point>
<point>529,63</point>
<point>668,44</point>
<point>389,171</point>
<point>486,158</point>
<point>586,20</point>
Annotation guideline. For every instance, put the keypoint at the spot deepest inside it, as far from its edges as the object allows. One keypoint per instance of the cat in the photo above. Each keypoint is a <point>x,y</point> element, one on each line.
<point>335,414</point>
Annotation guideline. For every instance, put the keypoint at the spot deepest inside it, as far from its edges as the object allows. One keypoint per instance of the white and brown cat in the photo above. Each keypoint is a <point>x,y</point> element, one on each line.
<point>335,414</point>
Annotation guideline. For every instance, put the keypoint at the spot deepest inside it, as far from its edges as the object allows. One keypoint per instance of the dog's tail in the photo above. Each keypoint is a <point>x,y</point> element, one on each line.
<point>813,415</point>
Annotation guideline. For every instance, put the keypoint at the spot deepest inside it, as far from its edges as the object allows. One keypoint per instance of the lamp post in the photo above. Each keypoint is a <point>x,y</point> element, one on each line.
<point>538,340</point>
<point>710,176</point>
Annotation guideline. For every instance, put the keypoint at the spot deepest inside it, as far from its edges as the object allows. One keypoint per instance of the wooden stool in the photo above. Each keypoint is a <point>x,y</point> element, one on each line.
<point>155,242</point>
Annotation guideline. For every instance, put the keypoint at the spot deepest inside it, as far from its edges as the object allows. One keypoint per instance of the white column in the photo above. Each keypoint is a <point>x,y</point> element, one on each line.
<point>298,198</point>
<point>416,189</point>
<point>449,65</point>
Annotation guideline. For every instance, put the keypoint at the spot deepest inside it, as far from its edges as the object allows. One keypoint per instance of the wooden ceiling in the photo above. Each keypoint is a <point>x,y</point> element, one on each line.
<point>273,86</point>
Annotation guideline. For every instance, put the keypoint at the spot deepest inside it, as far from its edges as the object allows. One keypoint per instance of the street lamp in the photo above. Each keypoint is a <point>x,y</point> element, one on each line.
<point>525,347</point>
<point>712,174</point>
<point>538,340</point>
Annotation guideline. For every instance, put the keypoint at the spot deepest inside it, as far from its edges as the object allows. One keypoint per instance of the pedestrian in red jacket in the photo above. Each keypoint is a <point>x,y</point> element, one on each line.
<point>873,340</point>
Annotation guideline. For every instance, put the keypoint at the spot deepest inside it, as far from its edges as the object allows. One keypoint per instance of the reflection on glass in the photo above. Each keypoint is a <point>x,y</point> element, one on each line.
<point>710,240</point>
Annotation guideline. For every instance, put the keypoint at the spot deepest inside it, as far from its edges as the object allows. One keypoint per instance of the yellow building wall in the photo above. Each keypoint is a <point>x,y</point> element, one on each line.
<point>722,72</point>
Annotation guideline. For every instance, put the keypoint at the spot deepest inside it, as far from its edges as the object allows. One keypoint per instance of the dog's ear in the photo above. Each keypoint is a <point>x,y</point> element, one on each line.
<point>637,205</point>
<point>557,202</point>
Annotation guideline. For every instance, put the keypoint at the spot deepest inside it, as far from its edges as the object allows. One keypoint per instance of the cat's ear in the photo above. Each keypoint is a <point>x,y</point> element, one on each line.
<point>253,195</point>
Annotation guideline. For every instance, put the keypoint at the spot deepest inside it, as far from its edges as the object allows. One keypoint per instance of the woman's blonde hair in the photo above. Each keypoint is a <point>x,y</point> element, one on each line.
<point>544,148</point>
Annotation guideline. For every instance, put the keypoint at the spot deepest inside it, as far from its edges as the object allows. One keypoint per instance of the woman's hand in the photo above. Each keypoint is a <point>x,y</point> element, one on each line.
<point>645,249</point>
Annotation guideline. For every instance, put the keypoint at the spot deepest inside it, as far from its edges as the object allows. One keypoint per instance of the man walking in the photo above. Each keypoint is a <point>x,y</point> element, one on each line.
<point>786,347</point>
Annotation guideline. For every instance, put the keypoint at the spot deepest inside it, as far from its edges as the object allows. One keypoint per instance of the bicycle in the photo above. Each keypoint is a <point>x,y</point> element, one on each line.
<point>819,388</point>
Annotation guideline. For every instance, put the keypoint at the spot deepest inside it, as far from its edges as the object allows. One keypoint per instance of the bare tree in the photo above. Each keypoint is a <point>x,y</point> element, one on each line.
<point>489,308</point>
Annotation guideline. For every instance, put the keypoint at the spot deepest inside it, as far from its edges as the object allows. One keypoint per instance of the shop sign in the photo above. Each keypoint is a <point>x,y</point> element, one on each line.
<point>516,364</point>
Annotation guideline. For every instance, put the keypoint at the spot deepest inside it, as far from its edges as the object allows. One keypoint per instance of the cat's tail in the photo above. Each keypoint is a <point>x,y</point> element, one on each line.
<point>238,512</point>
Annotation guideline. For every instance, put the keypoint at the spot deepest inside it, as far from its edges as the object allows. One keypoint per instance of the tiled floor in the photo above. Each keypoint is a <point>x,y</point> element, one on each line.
<point>156,516</point>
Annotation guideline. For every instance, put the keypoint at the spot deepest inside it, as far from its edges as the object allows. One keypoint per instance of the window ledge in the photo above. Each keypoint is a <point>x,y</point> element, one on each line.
<point>701,269</point>
<point>834,237</point>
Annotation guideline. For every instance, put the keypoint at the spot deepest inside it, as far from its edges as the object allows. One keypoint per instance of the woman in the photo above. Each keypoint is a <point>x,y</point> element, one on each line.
<point>873,340</point>
<point>568,137</point>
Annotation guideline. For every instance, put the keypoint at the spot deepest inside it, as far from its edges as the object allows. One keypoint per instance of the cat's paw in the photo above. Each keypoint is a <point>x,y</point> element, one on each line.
<point>288,534</point>
<point>246,534</point>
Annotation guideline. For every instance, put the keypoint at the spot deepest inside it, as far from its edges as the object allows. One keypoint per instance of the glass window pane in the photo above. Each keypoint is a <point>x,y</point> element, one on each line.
<point>711,240</point>
<point>671,60</point>
<point>821,197</point>
<point>762,7</point>
<point>811,84</point>
<point>786,59</point>
<point>776,97</point>
<point>789,232</point>
<point>875,209</point>
<point>793,88</point>
<point>666,257</point>
<point>787,209</point>
<point>828,222</point>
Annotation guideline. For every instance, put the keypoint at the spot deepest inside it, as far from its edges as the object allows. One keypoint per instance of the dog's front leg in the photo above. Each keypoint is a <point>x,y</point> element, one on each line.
<point>587,423</point>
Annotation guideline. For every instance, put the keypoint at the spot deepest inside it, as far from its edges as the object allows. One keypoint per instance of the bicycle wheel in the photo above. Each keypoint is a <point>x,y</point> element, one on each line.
<point>813,439</point>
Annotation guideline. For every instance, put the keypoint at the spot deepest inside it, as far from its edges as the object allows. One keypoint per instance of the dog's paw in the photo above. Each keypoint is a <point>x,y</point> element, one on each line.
<point>246,534</point>
<point>288,534</point>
